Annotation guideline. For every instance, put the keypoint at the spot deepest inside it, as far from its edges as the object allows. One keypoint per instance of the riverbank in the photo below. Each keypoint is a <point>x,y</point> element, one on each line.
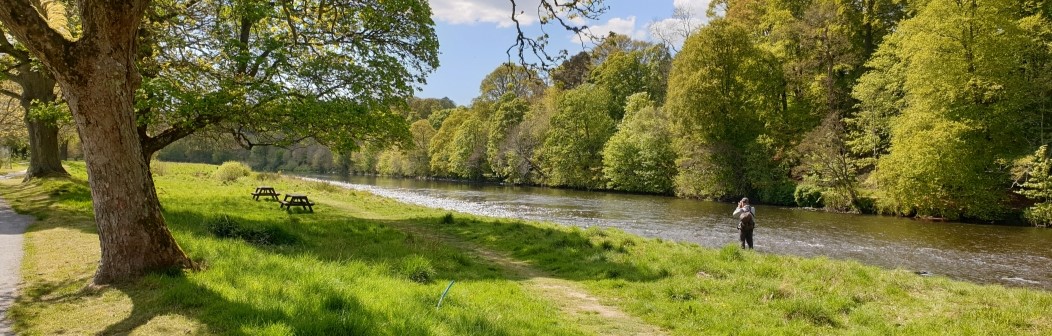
<point>363,264</point>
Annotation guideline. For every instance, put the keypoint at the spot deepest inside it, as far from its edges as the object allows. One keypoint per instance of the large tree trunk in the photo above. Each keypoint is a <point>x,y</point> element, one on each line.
<point>98,78</point>
<point>132,232</point>
<point>44,160</point>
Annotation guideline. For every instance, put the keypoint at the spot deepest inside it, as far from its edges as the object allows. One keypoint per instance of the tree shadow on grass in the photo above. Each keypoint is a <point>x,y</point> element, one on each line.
<point>565,253</point>
<point>31,198</point>
<point>343,240</point>
<point>335,313</point>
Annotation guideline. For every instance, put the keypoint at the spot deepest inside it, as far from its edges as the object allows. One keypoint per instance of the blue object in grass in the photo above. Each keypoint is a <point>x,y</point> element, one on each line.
<point>443,297</point>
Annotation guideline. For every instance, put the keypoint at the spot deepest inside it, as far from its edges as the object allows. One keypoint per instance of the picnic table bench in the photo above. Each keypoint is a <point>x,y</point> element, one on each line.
<point>265,191</point>
<point>299,200</point>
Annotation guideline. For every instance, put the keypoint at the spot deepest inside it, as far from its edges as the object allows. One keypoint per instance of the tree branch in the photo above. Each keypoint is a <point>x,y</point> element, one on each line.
<point>153,144</point>
<point>547,11</point>
<point>8,48</point>
<point>10,93</point>
<point>26,24</point>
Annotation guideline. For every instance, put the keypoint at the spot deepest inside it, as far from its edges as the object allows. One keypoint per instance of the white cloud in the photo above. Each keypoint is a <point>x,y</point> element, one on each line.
<point>623,26</point>
<point>483,11</point>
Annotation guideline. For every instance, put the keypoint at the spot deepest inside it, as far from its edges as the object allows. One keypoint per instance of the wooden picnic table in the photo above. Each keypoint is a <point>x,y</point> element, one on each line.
<point>299,200</point>
<point>265,191</point>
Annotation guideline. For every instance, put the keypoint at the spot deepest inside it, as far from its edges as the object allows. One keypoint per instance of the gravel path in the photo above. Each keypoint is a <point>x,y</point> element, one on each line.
<point>12,225</point>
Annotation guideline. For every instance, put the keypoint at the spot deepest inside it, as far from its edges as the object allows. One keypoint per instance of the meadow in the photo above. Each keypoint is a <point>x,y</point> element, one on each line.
<point>365,265</point>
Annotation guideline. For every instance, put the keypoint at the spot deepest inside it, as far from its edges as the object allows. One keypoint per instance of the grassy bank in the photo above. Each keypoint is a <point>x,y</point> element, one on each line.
<point>362,264</point>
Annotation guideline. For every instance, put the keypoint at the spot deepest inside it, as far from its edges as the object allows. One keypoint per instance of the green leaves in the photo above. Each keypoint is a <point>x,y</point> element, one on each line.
<point>716,96</point>
<point>572,151</point>
<point>952,76</point>
<point>281,71</point>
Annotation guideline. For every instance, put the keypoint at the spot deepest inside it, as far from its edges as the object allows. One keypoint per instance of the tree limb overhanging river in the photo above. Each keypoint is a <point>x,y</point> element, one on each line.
<point>1013,256</point>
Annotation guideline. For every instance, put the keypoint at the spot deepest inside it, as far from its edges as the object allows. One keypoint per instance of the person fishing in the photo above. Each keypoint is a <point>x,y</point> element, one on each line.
<point>747,216</point>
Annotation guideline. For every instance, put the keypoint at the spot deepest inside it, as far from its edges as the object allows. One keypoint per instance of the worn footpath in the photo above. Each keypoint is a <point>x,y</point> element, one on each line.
<point>12,226</point>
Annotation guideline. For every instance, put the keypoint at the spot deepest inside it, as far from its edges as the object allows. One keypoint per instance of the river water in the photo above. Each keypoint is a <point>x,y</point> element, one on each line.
<point>1012,256</point>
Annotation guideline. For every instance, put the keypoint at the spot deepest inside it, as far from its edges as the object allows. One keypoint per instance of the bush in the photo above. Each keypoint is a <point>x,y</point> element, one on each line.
<point>836,200</point>
<point>809,196</point>
<point>779,193</point>
<point>418,269</point>
<point>230,171</point>
<point>448,218</point>
<point>867,205</point>
<point>1039,215</point>
<point>226,227</point>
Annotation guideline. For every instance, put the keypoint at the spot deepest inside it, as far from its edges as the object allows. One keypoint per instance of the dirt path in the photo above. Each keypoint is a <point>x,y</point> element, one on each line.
<point>572,299</point>
<point>12,226</point>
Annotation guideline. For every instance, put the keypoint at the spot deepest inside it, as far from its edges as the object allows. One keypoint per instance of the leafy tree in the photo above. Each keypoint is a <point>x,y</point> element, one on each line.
<point>523,145</point>
<point>36,92</point>
<point>574,71</point>
<point>324,60</point>
<point>828,161</point>
<point>639,157</point>
<point>572,151</point>
<point>716,96</point>
<point>418,157</point>
<point>441,148</point>
<point>437,117</point>
<point>615,43</point>
<point>392,162</point>
<point>276,73</point>
<point>510,78</point>
<point>422,108</point>
<point>1038,187</point>
<point>508,113</point>
<point>967,107</point>
<point>468,157</point>
<point>627,73</point>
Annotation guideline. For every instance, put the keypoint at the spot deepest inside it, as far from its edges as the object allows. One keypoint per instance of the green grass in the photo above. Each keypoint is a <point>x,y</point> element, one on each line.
<point>362,264</point>
<point>14,167</point>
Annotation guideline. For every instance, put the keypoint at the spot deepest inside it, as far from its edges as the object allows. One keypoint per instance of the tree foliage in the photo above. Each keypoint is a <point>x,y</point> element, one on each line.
<point>716,96</point>
<point>280,72</point>
<point>579,128</point>
<point>639,157</point>
<point>966,110</point>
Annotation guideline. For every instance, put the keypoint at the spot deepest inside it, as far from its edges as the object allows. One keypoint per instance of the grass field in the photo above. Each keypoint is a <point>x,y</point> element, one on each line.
<point>366,265</point>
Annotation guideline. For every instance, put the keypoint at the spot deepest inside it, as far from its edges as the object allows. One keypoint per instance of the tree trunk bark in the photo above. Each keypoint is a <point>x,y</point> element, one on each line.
<point>44,154</point>
<point>63,150</point>
<point>98,78</point>
<point>132,231</point>
<point>44,158</point>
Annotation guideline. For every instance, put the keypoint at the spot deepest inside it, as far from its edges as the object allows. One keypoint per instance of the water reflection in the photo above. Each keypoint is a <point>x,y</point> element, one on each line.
<point>1017,256</point>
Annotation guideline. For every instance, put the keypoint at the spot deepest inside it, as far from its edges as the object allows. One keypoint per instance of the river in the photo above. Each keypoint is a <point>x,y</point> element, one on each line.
<point>1012,256</point>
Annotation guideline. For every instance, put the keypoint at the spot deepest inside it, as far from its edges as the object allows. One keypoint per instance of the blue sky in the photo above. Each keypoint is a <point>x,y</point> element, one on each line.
<point>474,35</point>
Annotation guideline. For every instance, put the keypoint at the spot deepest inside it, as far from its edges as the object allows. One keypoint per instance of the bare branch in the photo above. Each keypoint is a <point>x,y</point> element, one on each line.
<point>549,11</point>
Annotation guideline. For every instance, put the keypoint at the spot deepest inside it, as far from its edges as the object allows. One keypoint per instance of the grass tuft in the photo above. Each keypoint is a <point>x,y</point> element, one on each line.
<point>418,269</point>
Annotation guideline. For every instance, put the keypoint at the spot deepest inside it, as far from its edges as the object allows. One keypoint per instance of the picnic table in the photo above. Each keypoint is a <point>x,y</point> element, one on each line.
<point>299,200</point>
<point>265,191</point>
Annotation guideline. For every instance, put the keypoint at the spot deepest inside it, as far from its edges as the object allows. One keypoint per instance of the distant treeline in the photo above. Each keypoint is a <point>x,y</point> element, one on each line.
<point>931,108</point>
